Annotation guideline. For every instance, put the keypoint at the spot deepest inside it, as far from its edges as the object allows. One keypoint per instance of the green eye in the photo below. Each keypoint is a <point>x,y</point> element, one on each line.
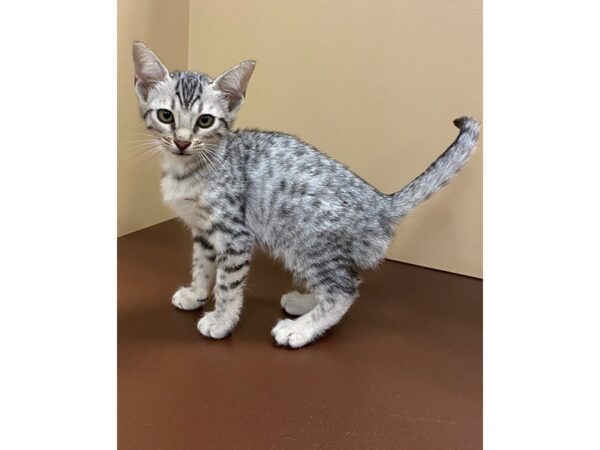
<point>205,121</point>
<point>165,116</point>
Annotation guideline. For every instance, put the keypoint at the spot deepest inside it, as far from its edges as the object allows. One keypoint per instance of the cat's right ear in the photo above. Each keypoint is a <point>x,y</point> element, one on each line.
<point>148,69</point>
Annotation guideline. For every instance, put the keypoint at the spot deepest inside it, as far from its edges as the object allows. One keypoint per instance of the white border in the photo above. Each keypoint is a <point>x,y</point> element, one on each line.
<point>541,225</point>
<point>58,187</point>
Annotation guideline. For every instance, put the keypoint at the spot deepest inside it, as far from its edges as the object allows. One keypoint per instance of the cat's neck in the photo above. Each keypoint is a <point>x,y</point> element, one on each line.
<point>177,165</point>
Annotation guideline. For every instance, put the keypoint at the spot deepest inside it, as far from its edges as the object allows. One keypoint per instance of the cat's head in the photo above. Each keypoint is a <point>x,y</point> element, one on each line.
<point>188,111</point>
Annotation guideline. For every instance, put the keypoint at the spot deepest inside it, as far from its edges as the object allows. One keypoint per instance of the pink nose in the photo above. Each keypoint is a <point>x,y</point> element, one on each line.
<point>182,145</point>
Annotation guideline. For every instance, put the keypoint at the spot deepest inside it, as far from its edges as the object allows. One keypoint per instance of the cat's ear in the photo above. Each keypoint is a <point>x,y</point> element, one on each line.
<point>148,69</point>
<point>234,82</point>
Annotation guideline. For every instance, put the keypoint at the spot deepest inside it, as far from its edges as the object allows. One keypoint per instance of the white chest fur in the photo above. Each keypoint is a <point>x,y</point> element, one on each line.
<point>185,198</point>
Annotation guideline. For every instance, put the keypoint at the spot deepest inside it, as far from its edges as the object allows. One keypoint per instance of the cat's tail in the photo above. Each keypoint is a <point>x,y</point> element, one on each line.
<point>440,172</point>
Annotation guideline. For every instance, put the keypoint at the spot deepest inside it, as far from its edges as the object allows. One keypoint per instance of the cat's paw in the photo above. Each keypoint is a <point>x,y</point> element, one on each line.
<point>217,325</point>
<point>291,333</point>
<point>187,299</point>
<point>298,304</point>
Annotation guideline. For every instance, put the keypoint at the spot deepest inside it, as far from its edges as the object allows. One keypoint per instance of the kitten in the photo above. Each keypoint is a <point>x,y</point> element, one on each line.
<point>238,188</point>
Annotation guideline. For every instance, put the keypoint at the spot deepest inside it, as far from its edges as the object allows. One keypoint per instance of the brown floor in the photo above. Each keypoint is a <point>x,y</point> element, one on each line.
<point>403,370</point>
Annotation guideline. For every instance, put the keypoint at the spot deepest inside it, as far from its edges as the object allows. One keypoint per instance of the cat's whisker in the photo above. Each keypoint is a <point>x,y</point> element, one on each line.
<point>139,161</point>
<point>140,133</point>
<point>149,141</point>
<point>211,167</point>
<point>144,154</point>
<point>205,162</point>
<point>143,146</point>
<point>218,159</point>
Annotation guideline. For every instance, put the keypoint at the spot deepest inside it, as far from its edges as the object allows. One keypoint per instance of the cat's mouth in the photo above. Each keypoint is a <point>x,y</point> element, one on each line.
<point>178,152</point>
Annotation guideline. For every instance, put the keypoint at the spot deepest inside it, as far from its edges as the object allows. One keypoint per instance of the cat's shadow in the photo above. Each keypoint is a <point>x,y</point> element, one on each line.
<point>161,322</point>
<point>158,322</point>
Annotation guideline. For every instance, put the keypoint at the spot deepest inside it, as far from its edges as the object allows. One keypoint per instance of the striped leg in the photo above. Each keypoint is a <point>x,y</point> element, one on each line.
<point>203,271</point>
<point>233,265</point>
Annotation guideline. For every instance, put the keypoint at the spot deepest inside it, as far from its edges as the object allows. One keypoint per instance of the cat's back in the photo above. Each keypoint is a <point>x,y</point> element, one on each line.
<point>295,192</point>
<point>276,156</point>
<point>267,147</point>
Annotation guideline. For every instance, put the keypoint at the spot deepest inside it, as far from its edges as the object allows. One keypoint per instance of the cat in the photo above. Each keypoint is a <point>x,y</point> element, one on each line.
<point>236,189</point>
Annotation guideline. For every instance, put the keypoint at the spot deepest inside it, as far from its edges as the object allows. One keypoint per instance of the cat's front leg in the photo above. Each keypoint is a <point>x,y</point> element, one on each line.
<point>203,272</point>
<point>232,267</point>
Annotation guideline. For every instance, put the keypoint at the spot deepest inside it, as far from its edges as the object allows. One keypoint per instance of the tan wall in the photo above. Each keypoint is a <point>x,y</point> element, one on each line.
<point>376,85</point>
<point>163,25</point>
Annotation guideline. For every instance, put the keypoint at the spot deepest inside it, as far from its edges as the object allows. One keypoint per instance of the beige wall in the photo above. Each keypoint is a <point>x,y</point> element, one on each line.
<point>163,25</point>
<point>376,85</point>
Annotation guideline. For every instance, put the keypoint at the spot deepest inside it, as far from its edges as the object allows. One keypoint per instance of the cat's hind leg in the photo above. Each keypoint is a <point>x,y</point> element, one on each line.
<point>334,294</point>
<point>297,304</point>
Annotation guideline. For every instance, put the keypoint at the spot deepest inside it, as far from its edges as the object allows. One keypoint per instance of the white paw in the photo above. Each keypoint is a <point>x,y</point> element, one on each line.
<point>292,333</point>
<point>217,325</point>
<point>298,304</point>
<point>187,299</point>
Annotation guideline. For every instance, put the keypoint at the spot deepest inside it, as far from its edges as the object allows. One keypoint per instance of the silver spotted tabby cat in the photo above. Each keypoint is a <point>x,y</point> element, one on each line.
<point>236,189</point>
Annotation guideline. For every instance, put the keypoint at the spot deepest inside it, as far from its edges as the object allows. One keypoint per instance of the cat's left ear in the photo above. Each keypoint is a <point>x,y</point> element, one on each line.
<point>234,82</point>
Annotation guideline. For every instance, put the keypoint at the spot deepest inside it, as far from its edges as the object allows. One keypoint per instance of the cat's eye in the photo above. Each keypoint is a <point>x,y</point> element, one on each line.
<point>205,120</point>
<point>165,116</point>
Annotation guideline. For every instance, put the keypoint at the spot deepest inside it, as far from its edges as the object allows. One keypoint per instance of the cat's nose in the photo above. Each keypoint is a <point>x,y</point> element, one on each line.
<point>182,145</point>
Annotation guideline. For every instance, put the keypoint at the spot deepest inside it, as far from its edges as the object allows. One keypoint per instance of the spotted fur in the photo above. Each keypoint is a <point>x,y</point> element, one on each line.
<point>236,189</point>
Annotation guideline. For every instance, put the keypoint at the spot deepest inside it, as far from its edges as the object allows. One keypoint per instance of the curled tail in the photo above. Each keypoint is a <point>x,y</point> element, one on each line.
<point>440,172</point>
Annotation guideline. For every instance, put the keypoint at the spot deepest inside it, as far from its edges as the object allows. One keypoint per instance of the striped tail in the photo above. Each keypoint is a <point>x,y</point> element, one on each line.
<point>440,172</point>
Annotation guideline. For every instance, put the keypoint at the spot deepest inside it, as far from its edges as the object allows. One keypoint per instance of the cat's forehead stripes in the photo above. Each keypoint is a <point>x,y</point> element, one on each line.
<point>189,86</point>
